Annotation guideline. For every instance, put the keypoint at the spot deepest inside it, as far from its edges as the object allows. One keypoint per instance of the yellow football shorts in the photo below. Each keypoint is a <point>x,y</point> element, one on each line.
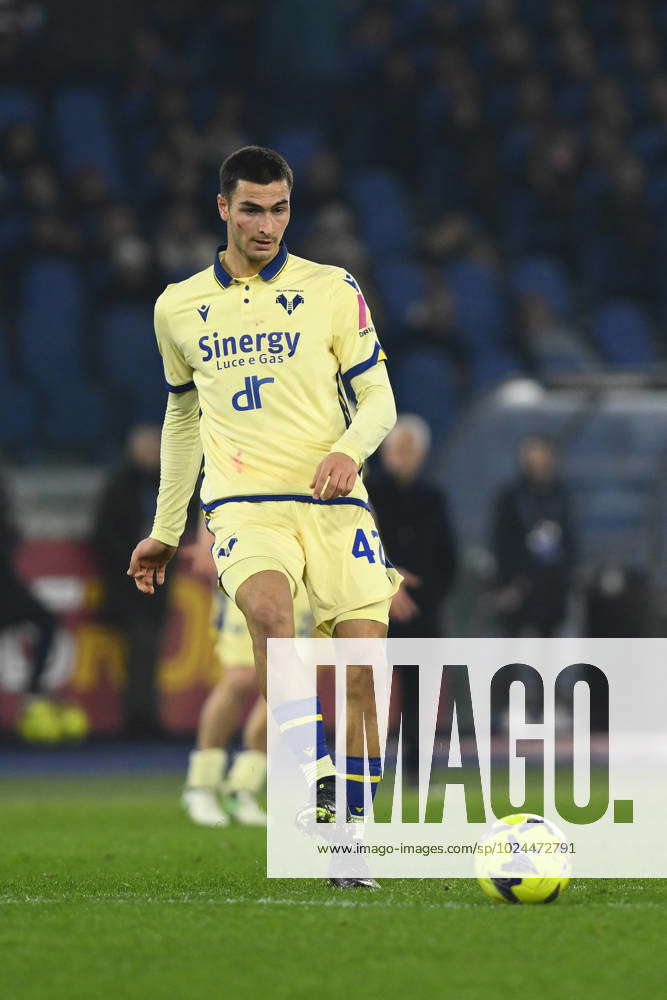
<point>233,646</point>
<point>334,548</point>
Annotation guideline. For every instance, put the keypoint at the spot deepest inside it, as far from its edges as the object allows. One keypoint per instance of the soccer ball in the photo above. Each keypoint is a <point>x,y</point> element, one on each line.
<point>39,722</point>
<point>520,860</point>
<point>74,723</point>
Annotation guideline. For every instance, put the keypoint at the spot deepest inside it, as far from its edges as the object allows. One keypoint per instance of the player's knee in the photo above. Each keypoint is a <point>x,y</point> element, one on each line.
<point>241,681</point>
<point>267,619</point>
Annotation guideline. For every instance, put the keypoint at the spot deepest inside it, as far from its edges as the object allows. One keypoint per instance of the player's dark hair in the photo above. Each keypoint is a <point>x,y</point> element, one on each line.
<point>256,164</point>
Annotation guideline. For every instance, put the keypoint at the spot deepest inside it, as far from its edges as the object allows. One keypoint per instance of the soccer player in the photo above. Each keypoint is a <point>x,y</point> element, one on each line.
<point>260,352</point>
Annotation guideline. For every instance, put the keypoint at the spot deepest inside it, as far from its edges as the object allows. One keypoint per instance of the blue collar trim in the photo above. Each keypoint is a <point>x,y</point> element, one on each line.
<point>268,273</point>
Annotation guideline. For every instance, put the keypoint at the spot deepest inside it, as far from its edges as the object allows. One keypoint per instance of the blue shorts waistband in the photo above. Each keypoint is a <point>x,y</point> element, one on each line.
<point>271,497</point>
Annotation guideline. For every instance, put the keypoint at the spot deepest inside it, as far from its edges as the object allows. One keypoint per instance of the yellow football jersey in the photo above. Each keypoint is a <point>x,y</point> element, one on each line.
<point>273,358</point>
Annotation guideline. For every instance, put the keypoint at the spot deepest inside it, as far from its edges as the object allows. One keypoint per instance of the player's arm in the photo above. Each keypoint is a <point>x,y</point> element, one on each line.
<point>367,384</point>
<point>375,416</point>
<point>180,462</point>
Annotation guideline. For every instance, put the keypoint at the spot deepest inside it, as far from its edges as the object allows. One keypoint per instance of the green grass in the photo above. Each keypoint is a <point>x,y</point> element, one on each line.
<point>106,891</point>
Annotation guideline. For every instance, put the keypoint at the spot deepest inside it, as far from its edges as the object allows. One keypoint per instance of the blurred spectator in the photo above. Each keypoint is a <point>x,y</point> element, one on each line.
<point>416,531</point>
<point>124,513</point>
<point>183,247</point>
<point>619,602</point>
<point>19,606</point>
<point>431,321</point>
<point>552,346</point>
<point>534,545</point>
<point>132,278</point>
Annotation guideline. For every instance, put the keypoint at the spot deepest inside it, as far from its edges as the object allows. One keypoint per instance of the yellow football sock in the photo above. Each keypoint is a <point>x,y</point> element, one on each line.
<point>206,768</point>
<point>248,772</point>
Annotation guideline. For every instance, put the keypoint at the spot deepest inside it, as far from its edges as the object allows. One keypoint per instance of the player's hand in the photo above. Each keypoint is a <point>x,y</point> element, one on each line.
<point>409,579</point>
<point>148,563</point>
<point>403,608</point>
<point>334,476</point>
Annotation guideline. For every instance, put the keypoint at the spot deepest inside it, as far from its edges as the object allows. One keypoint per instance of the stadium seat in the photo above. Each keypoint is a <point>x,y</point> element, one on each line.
<point>16,106</point>
<point>18,418</point>
<point>546,279</point>
<point>562,354</point>
<point>77,418</point>
<point>379,200</point>
<point>424,383</point>
<point>84,135</point>
<point>18,408</point>
<point>400,282</point>
<point>481,308</point>
<point>491,367</point>
<point>51,321</point>
<point>128,351</point>
<point>622,333</point>
<point>297,145</point>
<point>130,362</point>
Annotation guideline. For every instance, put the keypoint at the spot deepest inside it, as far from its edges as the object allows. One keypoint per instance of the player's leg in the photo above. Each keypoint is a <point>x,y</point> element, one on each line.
<point>361,716</point>
<point>247,774</point>
<point>265,598</point>
<point>38,717</point>
<point>218,722</point>
<point>266,601</point>
<point>261,573</point>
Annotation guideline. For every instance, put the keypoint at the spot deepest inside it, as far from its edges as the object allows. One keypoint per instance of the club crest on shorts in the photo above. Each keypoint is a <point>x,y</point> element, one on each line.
<point>289,304</point>
<point>227,546</point>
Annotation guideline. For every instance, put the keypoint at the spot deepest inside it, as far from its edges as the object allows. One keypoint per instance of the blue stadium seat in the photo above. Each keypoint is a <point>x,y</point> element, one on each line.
<point>623,335</point>
<point>17,106</point>
<point>481,309</point>
<point>492,366</point>
<point>51,321</point>
<point>424,383</point>
<point>85,137</point>
<point>401,283</point>
<point>379,200</point>
<point>297,145</point>
<point>131,364</point>
<point>76,417</point>
<point>18,418</point>
<point>129,354</point>
<point>18,407</point>
<point>546,279</point>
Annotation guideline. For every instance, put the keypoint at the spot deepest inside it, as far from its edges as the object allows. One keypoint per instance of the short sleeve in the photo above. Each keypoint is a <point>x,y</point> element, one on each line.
<point>355,342</point>
<point>177,372</point>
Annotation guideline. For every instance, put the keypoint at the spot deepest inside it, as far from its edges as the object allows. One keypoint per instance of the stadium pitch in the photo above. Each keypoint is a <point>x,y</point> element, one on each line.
<point>107,890</point>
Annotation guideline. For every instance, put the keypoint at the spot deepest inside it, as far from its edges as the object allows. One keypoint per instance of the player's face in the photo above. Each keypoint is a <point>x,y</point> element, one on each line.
<point>256,217</point>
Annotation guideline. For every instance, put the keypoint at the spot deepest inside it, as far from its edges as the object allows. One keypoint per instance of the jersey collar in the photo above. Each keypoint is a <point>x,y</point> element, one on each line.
<point>268,273</point>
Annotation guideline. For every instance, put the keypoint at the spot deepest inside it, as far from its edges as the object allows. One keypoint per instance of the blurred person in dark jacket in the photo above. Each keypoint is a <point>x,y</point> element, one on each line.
<point>417,534</point>
<point>124,512</point>
<point>533,544</point>
<point>19,606</point>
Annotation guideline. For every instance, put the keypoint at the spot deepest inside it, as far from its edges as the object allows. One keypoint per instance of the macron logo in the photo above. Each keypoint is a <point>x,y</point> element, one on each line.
<point>203,312</point>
